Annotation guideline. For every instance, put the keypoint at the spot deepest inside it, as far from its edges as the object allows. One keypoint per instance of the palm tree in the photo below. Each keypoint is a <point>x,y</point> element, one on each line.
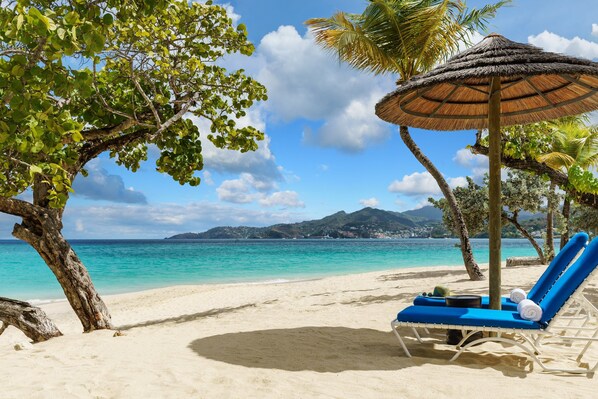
<point>573,145</point>
<point>407,37</point>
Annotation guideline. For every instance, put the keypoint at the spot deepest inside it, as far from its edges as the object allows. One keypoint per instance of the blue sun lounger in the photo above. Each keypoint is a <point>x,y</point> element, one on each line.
<point>539,290</point>
<point>504,321</point>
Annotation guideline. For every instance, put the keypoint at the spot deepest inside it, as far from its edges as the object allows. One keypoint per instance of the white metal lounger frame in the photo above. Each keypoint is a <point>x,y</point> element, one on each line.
<point>529,339</point>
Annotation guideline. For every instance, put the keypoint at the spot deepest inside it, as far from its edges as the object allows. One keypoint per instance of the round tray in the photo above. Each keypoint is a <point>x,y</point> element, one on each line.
<point>464,301</point>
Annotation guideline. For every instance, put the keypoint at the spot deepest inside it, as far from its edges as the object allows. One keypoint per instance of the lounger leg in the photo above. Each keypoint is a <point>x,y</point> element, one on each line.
<point>394,330</point>
<point>417,336</point>
<point>585,348</point>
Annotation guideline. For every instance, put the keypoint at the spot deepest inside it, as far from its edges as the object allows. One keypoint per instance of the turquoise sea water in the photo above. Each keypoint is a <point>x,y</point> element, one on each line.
<point>132,265</point>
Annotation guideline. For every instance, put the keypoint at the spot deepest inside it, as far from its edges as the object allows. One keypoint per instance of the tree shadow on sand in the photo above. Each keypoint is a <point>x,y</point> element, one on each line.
<point>186,317</point>
<point>337,349</point>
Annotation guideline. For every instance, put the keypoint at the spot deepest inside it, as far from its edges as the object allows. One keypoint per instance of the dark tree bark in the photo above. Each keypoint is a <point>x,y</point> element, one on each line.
<point>566,212</point>
<point>471,266</point>
<point>31,320</point>
<point>41,228</point>
<point>557,177</point>
<point>513,219</point>
<point>46,238</point>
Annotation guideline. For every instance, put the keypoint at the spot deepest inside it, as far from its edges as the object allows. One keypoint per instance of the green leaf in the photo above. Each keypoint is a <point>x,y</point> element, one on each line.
<point>17,71</point>
<point>71,18</point>
<point>33,169</point>
<point>60,32</point>
<point>107,19</point>
<point>20,20</point>
<point>77,137</point>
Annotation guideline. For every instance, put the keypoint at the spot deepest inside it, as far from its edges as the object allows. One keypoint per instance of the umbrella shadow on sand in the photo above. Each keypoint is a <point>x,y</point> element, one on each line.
<point>337,349</point>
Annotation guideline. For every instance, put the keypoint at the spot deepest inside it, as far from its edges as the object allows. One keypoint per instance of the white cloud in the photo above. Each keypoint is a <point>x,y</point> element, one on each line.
<point>474,39</point>
<point>593,118</point>
<point>594,29</point>
<point>353,128</point>
<point>477,163</point>
<point>304,81</point>
<point>260,163</point>
<point>207,178</point>
<point>370,202</point>
<point>100,185</point>
<point>79,225</point>
<point>163,220</point>
<point>230,11</point>
<point>284,199</point>
<point>422,183</point>
<point>243,190</point>
<point>577,46</point>
<point>247,189</point>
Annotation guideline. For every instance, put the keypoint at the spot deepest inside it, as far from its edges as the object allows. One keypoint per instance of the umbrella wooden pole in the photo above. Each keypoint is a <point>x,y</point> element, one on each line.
<point>494,204</point>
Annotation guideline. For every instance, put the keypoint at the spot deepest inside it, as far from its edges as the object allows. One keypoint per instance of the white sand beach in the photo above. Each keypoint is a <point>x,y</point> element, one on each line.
<point>327,338</point>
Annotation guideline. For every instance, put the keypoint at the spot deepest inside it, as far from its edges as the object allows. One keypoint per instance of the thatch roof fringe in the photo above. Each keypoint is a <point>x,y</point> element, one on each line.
<point>537,85</point>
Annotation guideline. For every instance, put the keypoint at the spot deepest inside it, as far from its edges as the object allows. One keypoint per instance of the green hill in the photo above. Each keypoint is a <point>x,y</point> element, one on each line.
<point>365,223</point>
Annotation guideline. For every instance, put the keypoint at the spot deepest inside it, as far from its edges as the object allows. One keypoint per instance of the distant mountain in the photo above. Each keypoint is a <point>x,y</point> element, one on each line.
<point>428,212</point>
<point>365,223</point>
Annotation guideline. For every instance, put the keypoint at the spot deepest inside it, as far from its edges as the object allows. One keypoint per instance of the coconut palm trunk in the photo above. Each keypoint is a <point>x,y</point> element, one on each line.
<point>471,266</point>
<point>406,38</point>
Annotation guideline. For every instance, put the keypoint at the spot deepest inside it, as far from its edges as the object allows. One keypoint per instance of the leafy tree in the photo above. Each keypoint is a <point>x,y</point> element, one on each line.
<point>574,150</point>
<point>565,151</point>
<point>473,201</point>
<point>585,218</point>
<point>79,78</point>
<point>521,191</point>
<point>407,38</point>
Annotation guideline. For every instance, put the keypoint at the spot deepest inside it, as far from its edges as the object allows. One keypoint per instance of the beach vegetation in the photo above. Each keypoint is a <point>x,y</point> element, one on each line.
<point>406,38</point>
<point>565,152</point>
<point>521,192</point>
<point>81,78</point>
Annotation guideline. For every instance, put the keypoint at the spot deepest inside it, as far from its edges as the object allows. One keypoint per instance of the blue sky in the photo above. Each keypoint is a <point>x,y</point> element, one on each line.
<point>325,150</point>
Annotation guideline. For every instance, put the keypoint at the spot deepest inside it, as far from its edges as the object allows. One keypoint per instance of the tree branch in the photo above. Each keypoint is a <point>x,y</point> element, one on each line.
<point>556,176</point>
<point>149,102</point>
<point>31,320</point>
<point>93,150</point>
<point>184,109</point>
<point>94,134</point>
<point>17,207</point>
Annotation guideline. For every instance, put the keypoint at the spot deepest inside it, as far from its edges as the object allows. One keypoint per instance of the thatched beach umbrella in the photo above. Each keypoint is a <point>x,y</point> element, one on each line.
<point>494,83</point>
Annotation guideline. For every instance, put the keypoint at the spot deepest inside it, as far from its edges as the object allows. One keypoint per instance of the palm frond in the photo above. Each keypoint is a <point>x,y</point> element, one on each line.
<point>557,160</point>
<point>407,37</point>
<point>339,34</point>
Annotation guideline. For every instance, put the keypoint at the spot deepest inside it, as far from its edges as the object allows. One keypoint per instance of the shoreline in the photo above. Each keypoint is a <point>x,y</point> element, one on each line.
<point>125,267</point>
<point>265,281</point>
<point>327,337</point>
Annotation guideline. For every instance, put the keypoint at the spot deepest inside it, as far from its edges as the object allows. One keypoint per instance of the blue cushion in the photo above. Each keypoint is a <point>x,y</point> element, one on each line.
<point>568,283</point>
<point>421,300</point>
<point>542,286</point>
<point>466,317</point>
<point>557,266</point>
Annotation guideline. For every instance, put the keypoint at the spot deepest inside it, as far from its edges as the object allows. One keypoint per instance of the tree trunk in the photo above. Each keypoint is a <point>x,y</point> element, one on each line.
<point>31,320</point>
<point>566,212</point>
<point>45,236</point>
<point>471,266</point>
<point>550,223</point>
<point>527,235</point>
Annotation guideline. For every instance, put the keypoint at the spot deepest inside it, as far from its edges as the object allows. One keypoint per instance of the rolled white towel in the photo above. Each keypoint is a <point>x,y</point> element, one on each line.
<point>529,310</point>
<point>518,295</point>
